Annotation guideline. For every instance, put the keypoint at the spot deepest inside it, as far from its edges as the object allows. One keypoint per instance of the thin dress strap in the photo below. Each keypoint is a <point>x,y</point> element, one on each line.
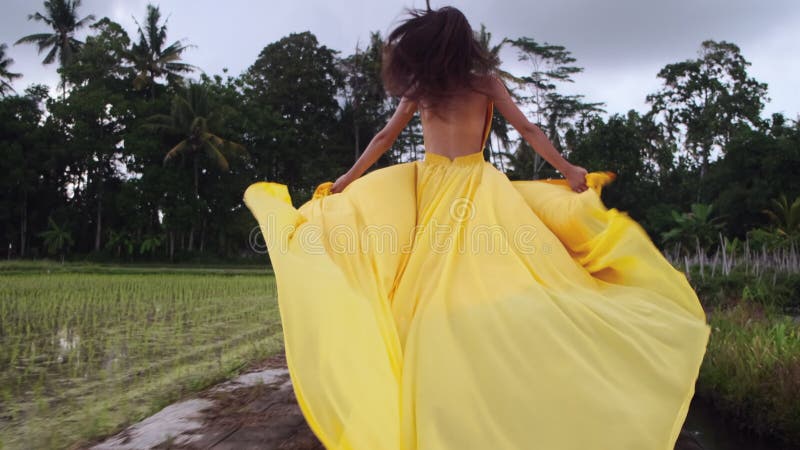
<point>487,124</point>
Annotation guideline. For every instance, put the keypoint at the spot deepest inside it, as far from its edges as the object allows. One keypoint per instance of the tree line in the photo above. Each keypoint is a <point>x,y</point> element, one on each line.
<point>142,156</point>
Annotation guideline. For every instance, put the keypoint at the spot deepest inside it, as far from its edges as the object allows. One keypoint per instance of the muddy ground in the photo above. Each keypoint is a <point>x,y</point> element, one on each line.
<point>257,410</point>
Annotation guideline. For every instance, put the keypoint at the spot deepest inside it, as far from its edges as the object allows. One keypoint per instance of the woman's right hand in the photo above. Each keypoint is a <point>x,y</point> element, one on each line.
<point>576,177</point>
<point>342,182</point>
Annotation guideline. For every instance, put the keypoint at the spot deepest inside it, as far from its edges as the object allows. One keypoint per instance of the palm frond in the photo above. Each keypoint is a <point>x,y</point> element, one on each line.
<point>216,155</point>
<point>83,22</point>
<point>5,63</point>
<point>232,148</point>
<point>51,56</point>
<point>141,80</point>
<point>174,152</point>
<point>34,38</point>
<point>5,87</point>
<point>40,18</point>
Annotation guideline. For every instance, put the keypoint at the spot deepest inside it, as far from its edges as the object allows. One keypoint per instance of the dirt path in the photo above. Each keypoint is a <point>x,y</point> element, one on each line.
<point>258,417</point>
<point>257,410</point>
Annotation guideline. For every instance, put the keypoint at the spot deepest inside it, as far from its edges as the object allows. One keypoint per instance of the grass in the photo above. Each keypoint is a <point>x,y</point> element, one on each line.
<point>49,266</point>
<point>780,291</point>
<point>86,349</point>
<point>751,371</point>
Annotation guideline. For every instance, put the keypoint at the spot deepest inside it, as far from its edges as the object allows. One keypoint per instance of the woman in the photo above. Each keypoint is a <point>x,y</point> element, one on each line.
<point>435,304</point>
<point>413,72</point>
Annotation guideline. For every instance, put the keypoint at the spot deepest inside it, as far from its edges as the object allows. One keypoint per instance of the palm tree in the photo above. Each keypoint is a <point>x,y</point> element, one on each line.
<point>62,17</point>
<point>485,39</point>
<point>151,59</point>
<point>699,226</point>
<point>784,228</point>
<point>6,77</point>
<point>551,64</point>
<point>150,244</point>
<point>57,238</point>
<point>191,117</point>
<point>785,216</point>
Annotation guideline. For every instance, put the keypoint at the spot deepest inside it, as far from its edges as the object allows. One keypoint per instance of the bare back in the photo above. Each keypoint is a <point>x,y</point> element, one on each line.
<point>460,126</point>
<point>459,130</point>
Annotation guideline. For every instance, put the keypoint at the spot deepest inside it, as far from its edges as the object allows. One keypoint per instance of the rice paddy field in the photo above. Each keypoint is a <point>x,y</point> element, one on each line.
<point>85,350</point>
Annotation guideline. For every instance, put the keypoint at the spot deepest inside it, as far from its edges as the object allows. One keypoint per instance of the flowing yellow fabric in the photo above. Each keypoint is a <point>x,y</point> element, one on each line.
<point>436,304</point>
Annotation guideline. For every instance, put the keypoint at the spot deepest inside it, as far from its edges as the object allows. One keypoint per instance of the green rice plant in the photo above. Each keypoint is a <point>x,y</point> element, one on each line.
<point>83,354</point>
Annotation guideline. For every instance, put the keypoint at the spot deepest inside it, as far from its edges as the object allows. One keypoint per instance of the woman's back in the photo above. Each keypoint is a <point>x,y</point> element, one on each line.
<point>458,127</point>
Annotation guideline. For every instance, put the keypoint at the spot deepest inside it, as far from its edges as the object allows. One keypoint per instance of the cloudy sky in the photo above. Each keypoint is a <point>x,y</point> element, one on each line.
<point>621,44</point>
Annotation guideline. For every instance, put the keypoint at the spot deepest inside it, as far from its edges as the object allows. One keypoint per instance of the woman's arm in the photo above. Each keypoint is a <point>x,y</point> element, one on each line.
<point>381,142</point>
<point>534,135</point>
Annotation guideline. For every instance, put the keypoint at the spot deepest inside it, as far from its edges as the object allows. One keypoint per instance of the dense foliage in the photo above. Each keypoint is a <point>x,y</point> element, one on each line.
<point>138,158</point>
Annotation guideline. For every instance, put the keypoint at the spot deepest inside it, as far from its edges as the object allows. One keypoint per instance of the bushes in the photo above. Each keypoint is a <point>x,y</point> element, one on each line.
<point>770,288</point>
<point>752,368</point>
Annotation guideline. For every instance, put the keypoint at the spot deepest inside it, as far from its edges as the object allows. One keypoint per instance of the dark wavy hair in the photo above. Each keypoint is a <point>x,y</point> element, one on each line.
<point>434,55</point>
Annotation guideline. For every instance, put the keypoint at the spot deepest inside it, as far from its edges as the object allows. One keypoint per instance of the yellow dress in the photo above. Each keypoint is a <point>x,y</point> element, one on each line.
<point>437,305</point>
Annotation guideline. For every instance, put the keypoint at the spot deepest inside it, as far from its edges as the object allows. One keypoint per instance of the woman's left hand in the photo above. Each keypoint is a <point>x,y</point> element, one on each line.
<point>341,183</point>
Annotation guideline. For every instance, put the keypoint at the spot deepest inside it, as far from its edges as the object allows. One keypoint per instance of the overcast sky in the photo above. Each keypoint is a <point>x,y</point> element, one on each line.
<point>621,44</point>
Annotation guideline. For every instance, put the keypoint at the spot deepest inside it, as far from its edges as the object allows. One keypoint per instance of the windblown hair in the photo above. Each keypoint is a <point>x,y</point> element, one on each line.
<point>434,55</point>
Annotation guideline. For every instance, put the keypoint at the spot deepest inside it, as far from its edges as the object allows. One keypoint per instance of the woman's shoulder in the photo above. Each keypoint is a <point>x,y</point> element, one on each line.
<point>488,84</point>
